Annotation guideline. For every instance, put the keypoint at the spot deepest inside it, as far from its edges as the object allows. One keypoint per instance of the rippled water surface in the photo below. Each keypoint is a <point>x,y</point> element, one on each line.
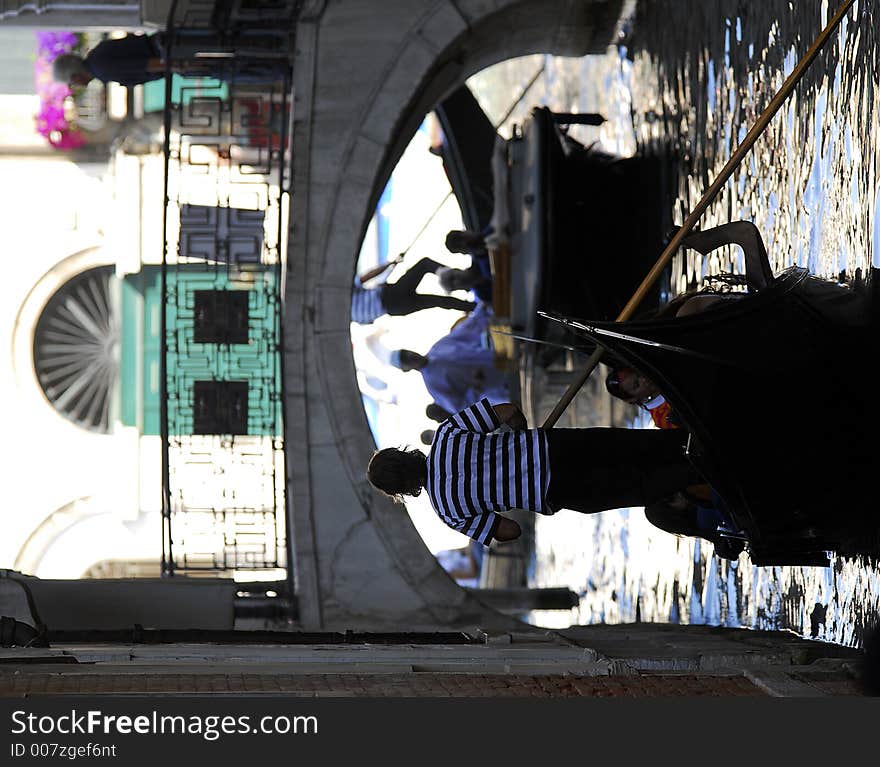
<point>691,78</point>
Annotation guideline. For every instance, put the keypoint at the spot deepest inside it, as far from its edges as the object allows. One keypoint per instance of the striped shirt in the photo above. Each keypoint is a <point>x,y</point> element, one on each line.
<point>475,470</point>
<point>366,304</point>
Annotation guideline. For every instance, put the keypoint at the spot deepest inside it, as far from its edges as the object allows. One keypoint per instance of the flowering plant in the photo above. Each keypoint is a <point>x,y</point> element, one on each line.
<point>53,119</point>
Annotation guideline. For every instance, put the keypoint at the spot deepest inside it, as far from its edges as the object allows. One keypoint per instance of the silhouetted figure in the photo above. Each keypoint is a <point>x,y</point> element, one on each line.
<point>478,276</point>
<point>460,367</point>
<point>466,241</point>
<point>130,60</point>
<point>399,298</point>
<point>135,59</point>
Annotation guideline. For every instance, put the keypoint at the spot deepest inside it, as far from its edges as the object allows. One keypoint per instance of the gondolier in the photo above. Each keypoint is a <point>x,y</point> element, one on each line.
<point>460,367</point>
<point>399,298</point>
<point>476,470</point>
<point>135,59</point>
<point>129,60</point>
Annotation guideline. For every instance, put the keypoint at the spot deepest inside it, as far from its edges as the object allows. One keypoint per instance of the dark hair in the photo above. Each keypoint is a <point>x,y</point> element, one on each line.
<point>464,241</point>
<point>397,472</point>
<point>612,384</point>
<point>65,66</point>
<point>410,360</point>
<point>436,413</point>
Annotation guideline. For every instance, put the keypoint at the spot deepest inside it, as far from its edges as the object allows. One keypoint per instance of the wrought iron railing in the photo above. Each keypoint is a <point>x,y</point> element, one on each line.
<point>227,181</point>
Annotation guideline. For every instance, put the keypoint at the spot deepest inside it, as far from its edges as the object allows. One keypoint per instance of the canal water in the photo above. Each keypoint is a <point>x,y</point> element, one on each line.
<point>690,78</point>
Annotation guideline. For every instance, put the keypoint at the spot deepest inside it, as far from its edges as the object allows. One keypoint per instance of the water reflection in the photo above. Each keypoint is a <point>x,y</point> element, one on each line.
<point>697,76</point>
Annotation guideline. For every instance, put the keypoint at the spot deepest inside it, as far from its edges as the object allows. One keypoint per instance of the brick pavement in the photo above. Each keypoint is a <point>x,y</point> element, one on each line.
<point>379,685</point>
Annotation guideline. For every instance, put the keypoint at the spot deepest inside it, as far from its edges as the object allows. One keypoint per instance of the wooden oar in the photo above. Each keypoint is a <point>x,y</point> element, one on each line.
<point>735,159</point>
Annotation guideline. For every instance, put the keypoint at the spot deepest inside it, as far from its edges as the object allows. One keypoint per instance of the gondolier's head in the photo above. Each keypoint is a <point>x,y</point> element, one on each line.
<point>398,472</point>
<point>464,241</point>
<point>629,385</point>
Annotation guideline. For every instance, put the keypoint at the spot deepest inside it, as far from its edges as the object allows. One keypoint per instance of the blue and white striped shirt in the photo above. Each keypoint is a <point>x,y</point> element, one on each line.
<point>474,471</point>
<point>366,304</point>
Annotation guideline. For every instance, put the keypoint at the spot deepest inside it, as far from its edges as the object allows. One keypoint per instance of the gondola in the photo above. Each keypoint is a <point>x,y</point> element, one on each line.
<point>580,226</point>
<point>775,389</point>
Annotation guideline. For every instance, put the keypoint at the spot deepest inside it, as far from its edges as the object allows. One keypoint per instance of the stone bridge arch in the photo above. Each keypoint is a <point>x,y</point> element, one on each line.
<point>365,73</point>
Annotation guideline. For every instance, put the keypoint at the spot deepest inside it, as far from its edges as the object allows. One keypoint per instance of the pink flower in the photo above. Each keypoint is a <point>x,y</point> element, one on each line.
<point>67,139</point>
<point>50,120</point>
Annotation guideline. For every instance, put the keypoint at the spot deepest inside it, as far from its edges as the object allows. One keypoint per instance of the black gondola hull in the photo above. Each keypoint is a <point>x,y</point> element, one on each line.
<point>775,389</point>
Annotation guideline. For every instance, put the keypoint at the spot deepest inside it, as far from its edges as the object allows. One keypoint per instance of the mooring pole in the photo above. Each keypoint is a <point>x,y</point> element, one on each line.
<point>735,159</point>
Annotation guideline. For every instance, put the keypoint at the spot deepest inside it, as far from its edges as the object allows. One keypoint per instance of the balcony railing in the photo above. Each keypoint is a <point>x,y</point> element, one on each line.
<point>227,182</point>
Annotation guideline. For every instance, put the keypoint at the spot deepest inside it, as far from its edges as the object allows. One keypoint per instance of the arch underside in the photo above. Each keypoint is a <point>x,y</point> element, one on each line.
<point>365,74</point>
